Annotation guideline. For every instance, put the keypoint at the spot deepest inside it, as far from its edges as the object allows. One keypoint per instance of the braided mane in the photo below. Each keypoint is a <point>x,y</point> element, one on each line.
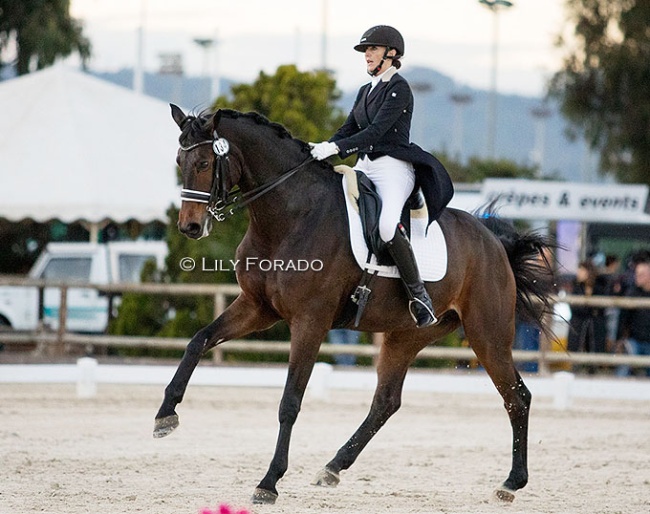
<point>198,127</point>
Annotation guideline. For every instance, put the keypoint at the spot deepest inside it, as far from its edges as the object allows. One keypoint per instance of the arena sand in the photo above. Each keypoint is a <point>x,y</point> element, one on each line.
<point>438,454</point>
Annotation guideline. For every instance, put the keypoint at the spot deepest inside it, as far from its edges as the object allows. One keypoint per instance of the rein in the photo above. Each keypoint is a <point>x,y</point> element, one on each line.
<point>218,199</point>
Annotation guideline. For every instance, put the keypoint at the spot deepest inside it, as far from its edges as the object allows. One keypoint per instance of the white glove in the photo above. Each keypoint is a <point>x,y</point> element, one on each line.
<point>320,151</point>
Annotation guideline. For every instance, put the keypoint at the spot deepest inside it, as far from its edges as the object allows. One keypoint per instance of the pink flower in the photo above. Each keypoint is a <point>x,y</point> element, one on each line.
<point>223,509</point>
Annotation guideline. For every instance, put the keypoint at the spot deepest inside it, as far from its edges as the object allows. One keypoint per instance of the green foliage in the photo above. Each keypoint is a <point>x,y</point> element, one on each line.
<point>22,242</point>
<point>301,101</point>
<point>140,314</point>
<point>604,84</point>
<point>42,31</point>
<point>477,170</point>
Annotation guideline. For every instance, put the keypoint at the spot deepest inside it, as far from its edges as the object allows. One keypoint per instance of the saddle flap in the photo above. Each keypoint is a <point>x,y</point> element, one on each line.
<point>370,204</point>
<point>429,245</point>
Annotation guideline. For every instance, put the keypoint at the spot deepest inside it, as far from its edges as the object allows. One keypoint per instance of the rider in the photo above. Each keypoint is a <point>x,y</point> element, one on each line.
<point>377,129</point>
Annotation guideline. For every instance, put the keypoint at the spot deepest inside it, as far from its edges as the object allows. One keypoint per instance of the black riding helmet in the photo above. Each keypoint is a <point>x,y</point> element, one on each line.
<point>382,35</point>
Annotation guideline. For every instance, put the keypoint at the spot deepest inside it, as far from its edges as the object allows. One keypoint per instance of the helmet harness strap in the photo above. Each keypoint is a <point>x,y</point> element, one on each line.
<point>374,72</point>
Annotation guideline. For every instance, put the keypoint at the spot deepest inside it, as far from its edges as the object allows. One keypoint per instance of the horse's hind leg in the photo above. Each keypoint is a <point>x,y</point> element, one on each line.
<point>240,318</point>
<point>397,353</point>
<point>490,334</point>
<point>518,409</point>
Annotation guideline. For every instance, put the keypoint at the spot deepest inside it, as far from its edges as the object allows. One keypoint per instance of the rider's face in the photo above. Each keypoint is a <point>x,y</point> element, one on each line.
<point>374,55</point>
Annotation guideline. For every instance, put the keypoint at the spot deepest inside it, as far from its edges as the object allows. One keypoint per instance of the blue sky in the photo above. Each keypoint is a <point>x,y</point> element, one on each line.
<point>452,36</point>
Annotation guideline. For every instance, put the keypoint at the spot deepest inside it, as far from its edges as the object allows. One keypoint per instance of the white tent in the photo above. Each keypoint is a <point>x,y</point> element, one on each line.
<point>74,147</point>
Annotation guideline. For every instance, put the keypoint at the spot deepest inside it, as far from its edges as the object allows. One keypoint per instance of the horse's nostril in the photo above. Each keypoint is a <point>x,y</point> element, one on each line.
<point>192,229</point>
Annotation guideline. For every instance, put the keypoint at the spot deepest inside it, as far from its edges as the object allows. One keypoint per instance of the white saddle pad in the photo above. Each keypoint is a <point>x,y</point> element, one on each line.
<point>430,250</point>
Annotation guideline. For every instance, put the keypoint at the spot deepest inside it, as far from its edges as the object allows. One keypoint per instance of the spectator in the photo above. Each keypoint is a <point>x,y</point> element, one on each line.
<point>634,324</point>
<point>611,273</point>
<point>527,336</point>
<point>612,267</point>
<point>626,279</point>
<point>588,328</point>
<point>344,336</point>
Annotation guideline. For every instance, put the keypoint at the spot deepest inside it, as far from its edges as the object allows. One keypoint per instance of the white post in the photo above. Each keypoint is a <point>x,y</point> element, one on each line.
<point>87,377</point>
<point>318,386</point>
<point>562,385</point>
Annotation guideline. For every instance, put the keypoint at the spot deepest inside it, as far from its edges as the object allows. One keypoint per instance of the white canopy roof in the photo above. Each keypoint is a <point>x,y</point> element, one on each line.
<point>74,147</point>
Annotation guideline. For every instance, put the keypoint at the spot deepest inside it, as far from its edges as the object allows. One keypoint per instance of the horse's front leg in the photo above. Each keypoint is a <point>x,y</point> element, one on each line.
<point>305,342</point>
<point>242,317</point>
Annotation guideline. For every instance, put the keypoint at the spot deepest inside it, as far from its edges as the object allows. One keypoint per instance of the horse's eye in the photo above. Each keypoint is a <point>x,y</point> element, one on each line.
<point>203,165</point>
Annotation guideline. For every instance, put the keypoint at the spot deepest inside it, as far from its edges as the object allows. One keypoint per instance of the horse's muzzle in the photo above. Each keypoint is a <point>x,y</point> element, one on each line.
<point>192,230</point>
<point>194,221</point>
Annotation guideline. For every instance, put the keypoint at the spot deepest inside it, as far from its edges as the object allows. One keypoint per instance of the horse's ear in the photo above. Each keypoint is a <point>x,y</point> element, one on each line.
<point>178,115</point>
<point>216,117</point>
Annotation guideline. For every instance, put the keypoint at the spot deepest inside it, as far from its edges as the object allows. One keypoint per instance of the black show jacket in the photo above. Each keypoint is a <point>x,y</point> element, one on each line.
<point>379,124</point>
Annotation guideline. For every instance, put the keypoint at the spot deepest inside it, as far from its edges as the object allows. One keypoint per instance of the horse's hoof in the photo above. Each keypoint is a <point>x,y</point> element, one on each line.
<point>262,496</point>
<point>504,495</point>
<point>326,478</point>
<point>165,426</point>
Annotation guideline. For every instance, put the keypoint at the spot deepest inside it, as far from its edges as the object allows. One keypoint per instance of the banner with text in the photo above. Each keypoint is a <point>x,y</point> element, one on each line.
<point>596,203</point>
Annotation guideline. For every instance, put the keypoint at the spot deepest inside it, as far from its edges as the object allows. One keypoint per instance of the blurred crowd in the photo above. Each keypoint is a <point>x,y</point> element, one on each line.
<point>611,329</point>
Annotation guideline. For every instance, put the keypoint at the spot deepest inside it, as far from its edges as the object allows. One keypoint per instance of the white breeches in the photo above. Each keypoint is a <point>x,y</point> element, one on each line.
<point>394,180</point>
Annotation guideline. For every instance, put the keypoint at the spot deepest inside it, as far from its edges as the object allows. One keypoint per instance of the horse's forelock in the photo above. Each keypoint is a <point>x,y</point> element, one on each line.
<point>195,128</point>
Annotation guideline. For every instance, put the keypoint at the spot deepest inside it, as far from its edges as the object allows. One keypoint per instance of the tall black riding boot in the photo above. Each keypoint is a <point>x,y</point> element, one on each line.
<point>419,302</point>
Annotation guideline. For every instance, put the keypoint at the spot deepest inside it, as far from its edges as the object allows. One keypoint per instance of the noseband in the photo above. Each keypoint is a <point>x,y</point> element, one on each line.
<point>219,199</point>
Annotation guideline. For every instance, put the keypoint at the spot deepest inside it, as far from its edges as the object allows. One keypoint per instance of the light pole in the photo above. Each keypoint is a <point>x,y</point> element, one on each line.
<point>495,6</point>
<point>540,113</point>
<point>138,72</point>
<point>206,44</point>
<point>420,89</point>
<point>460,100</point>
<point>323,49</point>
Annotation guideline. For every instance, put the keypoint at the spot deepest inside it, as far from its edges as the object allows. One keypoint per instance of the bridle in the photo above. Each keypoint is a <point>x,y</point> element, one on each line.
<point>221,203</point>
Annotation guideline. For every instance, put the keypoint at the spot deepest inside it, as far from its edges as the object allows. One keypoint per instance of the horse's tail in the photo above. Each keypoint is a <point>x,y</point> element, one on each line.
<point>528,254</point>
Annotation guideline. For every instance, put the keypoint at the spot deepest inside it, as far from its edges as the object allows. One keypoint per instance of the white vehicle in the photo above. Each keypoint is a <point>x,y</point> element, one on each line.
<point>87,309</point>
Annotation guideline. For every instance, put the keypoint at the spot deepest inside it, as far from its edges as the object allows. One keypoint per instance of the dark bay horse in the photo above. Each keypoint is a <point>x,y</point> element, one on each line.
<point>490,279</point>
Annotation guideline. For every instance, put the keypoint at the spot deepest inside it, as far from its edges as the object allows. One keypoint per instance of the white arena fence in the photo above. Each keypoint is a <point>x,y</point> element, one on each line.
<point>60,343</point>
<point>565,390</point>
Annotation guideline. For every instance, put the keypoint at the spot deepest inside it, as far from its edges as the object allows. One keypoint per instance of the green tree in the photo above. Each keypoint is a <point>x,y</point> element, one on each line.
<point>304,102</point>
<point>477,170</point>
<point>41,31</point>
<point>604,83</point>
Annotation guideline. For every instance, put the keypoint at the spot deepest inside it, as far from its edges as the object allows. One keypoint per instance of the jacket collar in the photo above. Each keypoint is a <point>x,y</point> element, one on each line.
<point>384,77</point>
<point>388,74</point>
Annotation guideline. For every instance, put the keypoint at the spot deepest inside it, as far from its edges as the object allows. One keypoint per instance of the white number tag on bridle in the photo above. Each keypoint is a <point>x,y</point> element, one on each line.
<point>220,146</point>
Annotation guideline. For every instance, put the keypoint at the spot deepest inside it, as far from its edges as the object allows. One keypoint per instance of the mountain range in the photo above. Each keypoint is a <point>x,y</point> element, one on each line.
<point>439,124</point>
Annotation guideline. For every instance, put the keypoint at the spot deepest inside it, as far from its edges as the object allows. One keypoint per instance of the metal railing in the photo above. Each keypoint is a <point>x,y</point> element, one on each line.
<point>56,343</point>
